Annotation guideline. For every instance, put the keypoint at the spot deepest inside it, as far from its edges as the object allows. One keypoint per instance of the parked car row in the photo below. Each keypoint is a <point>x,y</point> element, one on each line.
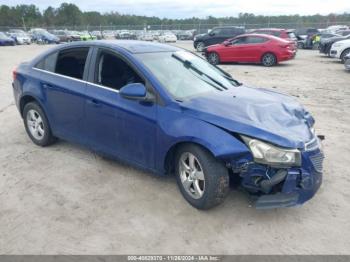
<point>43,36</point>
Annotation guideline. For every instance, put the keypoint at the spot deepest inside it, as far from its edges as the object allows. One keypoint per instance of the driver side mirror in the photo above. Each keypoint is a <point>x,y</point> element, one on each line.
<point>136,91</point>
<point>226,43</point>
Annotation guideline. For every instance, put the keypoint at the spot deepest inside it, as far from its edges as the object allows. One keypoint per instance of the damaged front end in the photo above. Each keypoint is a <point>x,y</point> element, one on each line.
<point>281,184</point>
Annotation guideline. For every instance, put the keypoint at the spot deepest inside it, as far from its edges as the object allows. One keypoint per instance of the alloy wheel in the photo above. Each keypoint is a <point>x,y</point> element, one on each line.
<point>213,58</point>
<point>35,124</point>
<point>191,175</point>
<point>200,47</point>
<point>269,60</point>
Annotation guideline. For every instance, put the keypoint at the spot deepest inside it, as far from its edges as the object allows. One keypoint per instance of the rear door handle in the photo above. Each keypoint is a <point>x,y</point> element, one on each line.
<point>94,102</point>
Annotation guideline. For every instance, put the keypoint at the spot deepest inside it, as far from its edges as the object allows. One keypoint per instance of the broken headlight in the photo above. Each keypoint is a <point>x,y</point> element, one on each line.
<point>268,154</point>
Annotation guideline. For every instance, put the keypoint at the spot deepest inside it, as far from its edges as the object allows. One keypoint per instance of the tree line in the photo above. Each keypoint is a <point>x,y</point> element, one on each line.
<point>69,15</point>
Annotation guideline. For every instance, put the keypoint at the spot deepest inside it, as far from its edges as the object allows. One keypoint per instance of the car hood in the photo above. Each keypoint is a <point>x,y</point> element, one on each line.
<point>6,38</point>
<point>333,39</point>
<point>255,112</point>
<point>201,36</point>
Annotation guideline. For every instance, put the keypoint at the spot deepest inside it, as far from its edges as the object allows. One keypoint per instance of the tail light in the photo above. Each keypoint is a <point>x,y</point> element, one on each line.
<point>14,74</point>
<point>284,46</point>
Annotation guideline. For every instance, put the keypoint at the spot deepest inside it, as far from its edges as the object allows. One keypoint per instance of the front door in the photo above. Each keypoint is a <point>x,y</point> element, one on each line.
<point>115,125</point>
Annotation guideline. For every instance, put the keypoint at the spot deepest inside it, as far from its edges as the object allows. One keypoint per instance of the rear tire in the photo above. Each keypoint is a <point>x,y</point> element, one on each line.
<point>200,46</point>
<point>213,58</point>
<point>37,125</point>
<point>205,182</point>
<point>268,59</point>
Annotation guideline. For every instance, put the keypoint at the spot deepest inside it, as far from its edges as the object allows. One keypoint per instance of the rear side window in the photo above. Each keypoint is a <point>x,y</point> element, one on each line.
<point>48,63</point>
<point>255,40</point>
<point>71,62</point>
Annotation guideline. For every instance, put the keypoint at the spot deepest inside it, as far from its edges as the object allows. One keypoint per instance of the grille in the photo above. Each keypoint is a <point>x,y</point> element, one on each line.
<point>317,161</point>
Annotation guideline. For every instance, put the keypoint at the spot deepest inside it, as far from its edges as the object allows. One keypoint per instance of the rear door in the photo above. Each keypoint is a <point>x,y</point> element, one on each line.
<point>254,48</point>
<point>63,76</point>
<point>115,125</point>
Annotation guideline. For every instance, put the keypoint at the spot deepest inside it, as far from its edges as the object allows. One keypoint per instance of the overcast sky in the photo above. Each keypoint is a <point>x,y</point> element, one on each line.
<point>200,8</point>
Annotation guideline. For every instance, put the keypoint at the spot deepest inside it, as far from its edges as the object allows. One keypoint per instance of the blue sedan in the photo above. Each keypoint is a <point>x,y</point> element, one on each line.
<point>166,110</point>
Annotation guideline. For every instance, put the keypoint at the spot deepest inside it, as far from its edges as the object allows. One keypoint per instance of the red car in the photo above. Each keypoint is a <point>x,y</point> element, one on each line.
<point>251,48</point>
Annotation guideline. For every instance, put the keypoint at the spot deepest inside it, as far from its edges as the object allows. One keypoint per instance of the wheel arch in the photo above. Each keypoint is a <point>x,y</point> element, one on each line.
<point>170,155</point>
<point>27,98</point>
<point>221,144</point>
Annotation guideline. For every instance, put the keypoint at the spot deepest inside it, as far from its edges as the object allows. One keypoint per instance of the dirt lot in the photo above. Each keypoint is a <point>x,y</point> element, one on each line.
<point>64,199</point>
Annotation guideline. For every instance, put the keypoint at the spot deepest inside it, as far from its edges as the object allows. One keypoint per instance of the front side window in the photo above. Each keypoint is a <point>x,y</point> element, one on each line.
<point>239,41</point>
<point>113,72</point>
<point>185,75</point>
<point>71,62</point>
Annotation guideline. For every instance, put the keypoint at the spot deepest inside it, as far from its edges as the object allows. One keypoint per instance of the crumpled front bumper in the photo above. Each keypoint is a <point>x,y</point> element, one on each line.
<point>300,184</point>
<point>284,187</point>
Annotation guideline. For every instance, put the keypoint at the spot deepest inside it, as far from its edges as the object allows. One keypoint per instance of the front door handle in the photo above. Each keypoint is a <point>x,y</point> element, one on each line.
<point>94,102</point>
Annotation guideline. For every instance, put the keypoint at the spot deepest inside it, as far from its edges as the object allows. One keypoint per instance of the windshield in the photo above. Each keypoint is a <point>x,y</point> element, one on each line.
<point>186,75</point>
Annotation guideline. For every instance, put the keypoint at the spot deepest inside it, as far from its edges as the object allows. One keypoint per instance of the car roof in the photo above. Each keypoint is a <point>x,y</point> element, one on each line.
<point>271,37</point>
<point>131,46</point>
<point>270,29</point>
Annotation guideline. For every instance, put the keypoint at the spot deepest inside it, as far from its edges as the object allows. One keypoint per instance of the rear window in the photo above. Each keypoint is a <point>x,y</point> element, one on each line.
<point>255,40</point>
<point>48,63</point>
<point>71,62</point>
<point>291,35</point>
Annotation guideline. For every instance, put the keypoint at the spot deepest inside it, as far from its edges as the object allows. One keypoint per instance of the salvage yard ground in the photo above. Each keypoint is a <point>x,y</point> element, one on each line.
<point>64,199</point>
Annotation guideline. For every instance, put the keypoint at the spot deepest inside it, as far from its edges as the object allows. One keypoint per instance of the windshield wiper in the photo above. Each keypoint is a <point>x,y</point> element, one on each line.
<point>188,64</point>
<point>228,76</point>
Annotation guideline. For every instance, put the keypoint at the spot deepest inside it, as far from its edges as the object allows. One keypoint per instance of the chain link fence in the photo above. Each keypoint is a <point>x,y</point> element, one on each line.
<point>199,28</point>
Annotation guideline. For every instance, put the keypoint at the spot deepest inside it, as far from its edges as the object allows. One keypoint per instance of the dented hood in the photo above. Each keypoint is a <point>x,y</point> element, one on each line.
<point>255,112</point>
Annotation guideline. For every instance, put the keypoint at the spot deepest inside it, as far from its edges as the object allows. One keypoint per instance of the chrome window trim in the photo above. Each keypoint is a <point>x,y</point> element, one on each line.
<point>76,79</point>
<point>103,87</point>
<point>52,73</point>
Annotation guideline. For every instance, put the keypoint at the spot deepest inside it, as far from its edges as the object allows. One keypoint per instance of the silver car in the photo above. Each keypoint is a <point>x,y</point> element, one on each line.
<point>347,62</point>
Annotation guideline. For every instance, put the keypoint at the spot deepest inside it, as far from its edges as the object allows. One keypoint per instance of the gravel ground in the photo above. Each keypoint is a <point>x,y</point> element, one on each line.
<point>64,199</point>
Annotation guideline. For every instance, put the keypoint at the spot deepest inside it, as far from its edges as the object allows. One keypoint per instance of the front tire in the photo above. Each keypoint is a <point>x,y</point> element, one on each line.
<point>344,54</point>
<point>37,125</point>
<point>213,58</point>
<point>269,59</point>
<point>202,179</point>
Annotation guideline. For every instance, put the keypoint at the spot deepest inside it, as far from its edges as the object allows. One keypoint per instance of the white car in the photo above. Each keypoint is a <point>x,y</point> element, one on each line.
<point>146,37</point>
<point>340,49</point>
<point>108,34</point>
<point>21,38</point>
<point>167,37</point>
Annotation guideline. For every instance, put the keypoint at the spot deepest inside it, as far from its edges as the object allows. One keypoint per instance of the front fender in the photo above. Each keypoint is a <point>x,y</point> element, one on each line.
<point>175,128</point>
